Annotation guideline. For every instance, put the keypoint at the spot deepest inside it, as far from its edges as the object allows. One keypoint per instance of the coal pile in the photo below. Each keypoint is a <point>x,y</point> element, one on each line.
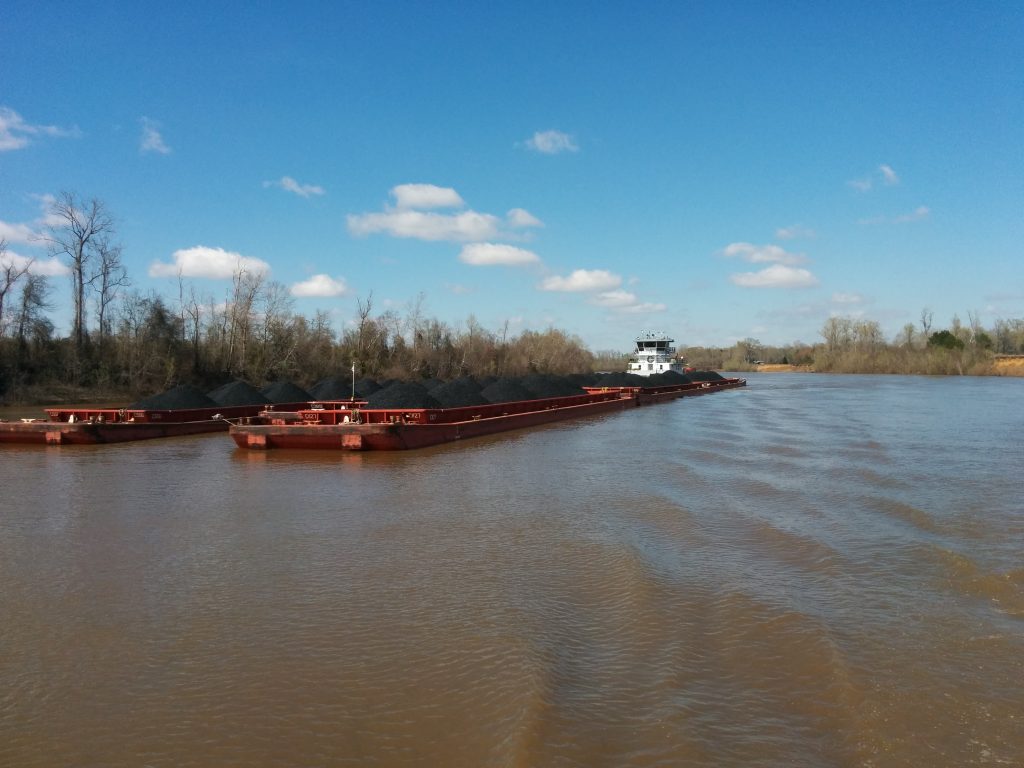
<point>331,388</point>
<point>705,376</point>
<point>668,378</point>
<point>237,392</point>
<point>366,387</point>
<point>183,396</point>
<point>429,384</point>
<point>506,391</point>
<point>402,394</point>
<point>459,393</point>
<point>545,385</point>
<point>583,379</point>
<point>622,379</point>
<point>286,392</point>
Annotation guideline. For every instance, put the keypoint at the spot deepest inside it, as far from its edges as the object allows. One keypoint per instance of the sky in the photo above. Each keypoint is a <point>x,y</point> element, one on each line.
<point>715,171</point>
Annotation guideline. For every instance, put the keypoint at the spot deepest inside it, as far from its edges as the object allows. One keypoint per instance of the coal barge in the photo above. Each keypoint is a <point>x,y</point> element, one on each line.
<point>655,377</point>
<point>177,412</point>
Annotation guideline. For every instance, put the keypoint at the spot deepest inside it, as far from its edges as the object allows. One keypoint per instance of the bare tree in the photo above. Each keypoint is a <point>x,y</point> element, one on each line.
<point>926,323</point>
<point>109,276</point>
<point>245,287</point>
<point>838,333</point>
<point>78,230</point>
<point>34,299</point>
<point>906,337</point>
<point>10,274</point>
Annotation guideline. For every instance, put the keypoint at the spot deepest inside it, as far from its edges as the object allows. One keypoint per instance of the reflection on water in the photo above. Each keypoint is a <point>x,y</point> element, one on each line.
<point>812,571</point>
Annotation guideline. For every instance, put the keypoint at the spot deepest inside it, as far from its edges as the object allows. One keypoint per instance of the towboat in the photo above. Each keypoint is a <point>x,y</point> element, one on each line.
<point>653,353</point>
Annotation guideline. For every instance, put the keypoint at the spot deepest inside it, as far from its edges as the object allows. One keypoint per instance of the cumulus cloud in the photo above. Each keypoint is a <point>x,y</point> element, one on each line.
<point>151,139</point>
<point>642,308</point>
<point>466,226</point>
<point>517,218</point>
<point>202,261</point>
<point>617,298</point>
<point>889,176</point>
<point>413,216</point>
<point>847,298</point>
<point>491,254</point>
<point>425,197</point>
<point>885,174</point>
<point>918,214</point>
<point>775,276</point>
<point>17,233</point>
<point>288,184</point>
<point>552,142</point>
<point>624,301</point>
<point>794,232</point>
<point>582,281</point>
<point>15,133</point>
<point>323,286</point>
<point>763,254</point>
<point>51,267</point>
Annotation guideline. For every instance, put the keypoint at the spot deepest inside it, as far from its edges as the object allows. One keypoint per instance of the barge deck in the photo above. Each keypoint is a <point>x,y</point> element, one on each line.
<point>356,429</point>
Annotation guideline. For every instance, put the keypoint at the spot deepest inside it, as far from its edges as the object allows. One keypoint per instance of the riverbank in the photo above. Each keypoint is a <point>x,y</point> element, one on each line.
<point>1009,365</point>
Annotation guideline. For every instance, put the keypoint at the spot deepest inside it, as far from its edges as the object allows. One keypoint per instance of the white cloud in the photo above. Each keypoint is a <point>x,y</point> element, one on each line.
<point>490,254</point>
<point>425,197</point>
<point>763,254</point>
<point>617,298</point>
<point>411,217</point>
<point>288,184</point>
<point>552,142</point>
<point>582,280</point>
<point>918,214</point>
<point>467,226</point>
<point>794,232</point>
<point>51,267</point>
<point>458,289</point>
<point>151,140</point>
<point>885,174</point>
<point>15,133</point>
<point>644,308</point>
<point>518,218</point>
<point>624,301</point>
<point>321,286</point>
<point>847,298</point>
<point>775,276</point>
<point>202,261</point>
<point>17,233</point>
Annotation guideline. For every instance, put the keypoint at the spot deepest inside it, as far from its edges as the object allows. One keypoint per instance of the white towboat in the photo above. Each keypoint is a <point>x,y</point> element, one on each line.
<point>653,353</point>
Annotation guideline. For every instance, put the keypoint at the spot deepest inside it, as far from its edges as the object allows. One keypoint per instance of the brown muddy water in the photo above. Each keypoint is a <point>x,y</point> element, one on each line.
<point>814,571</point>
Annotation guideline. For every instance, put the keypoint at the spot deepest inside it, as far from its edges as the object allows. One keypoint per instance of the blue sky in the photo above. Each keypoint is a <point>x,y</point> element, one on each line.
<point>714,170</point>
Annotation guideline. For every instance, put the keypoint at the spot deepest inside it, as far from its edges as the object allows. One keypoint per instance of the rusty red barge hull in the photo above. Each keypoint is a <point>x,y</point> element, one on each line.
<point>350,429</point>
<point>94,426</point>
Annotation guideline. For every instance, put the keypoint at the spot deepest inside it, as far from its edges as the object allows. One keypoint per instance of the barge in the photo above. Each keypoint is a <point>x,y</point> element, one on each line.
<point>336,426</point>
<point>91,426</point>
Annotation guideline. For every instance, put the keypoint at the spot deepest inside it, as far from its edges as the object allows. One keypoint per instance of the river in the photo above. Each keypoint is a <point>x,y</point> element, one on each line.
<point>812,571</point>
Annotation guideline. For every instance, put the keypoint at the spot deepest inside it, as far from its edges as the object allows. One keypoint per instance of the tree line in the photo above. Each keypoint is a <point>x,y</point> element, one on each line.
<point>124,342</point>
<point>858,345</point>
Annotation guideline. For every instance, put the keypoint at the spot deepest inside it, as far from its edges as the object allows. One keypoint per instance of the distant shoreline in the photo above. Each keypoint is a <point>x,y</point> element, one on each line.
<point>1008,365</point>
